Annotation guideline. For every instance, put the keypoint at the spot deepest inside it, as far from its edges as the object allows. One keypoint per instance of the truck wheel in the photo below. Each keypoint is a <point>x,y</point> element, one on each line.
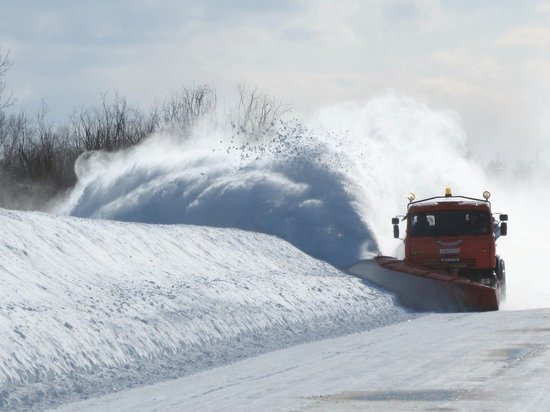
<point>501,276</point>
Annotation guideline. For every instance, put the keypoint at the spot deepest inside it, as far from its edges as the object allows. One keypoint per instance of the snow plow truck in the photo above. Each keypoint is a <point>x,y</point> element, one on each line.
<point>450,263</point>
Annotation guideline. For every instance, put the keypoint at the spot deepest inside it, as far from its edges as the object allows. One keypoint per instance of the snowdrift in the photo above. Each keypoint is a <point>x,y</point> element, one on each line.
<point>92,306</point>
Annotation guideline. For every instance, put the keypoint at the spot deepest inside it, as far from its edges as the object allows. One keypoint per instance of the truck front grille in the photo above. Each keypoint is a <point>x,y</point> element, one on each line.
<point>450,263</point>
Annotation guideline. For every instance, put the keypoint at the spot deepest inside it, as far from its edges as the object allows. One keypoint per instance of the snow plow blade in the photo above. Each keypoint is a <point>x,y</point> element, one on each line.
<point>424,289</point>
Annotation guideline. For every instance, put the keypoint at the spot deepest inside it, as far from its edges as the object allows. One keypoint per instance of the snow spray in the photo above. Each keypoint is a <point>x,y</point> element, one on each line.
<point>289,183</point>
<point>329,184</point>
<point>400,145</point>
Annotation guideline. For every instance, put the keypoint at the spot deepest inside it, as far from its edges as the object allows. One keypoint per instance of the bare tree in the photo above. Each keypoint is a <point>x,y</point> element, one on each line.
<point>257,111</point>
<point>5,64</point>
<point>183,109</point>
<point>35,153</point>
<point>112,126</point>
<point>13,129</point>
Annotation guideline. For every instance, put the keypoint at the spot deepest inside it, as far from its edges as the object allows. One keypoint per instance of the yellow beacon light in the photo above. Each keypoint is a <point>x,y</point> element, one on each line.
<point>411,196</point>
<point>448,192</point>
<point>486,195</point>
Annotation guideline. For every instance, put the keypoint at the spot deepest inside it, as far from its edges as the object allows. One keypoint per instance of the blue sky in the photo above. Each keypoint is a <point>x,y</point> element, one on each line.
<point>487,60</point>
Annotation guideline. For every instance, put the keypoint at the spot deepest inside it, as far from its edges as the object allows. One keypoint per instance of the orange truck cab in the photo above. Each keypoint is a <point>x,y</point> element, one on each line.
<point>455,234</point>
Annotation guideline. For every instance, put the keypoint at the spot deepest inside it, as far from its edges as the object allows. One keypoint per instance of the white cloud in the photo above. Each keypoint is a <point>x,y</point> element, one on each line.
<point>526,36</point>
<point>48,23</point>
<point>428,16</point>
<point>331,21</point>
<point>448,86</point>
<point>543,7</point>
<point>466,64</point>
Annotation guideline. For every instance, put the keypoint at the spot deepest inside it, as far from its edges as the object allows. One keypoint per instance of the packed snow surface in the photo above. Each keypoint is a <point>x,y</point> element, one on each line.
<point>92,306</point>
<point>493,361</point>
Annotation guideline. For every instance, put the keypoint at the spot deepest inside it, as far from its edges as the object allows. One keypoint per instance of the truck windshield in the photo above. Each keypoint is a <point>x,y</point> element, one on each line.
<point>449,223</point>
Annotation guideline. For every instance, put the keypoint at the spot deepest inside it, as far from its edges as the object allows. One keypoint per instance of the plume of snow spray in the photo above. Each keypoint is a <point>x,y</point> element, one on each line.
<point>399,145</point>
<point>396,145</point>
<point>330,188</point>
<point>526,201</point>
<point>289,185</point>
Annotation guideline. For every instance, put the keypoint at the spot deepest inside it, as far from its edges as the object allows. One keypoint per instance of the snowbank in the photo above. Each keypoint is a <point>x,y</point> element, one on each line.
<point>91,306</point>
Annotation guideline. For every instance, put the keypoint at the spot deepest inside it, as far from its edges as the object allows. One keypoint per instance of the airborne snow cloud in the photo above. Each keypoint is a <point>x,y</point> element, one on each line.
<point>329,187</point>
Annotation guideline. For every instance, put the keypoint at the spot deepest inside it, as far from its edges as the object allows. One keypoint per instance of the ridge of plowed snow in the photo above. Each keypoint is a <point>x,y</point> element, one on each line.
<point>89,306</point>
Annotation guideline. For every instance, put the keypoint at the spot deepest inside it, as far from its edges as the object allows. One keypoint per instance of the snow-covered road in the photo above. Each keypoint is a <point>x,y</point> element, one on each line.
<point>479,361</point>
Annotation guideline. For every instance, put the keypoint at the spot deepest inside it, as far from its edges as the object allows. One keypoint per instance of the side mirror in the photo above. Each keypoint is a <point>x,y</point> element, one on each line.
<point>395,221</point>
<point>503,218</point>
<point>503,229</point>
<point>396,231</point>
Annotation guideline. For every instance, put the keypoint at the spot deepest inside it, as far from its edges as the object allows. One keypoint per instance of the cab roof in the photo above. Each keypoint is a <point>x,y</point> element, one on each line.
<point>449,203</point>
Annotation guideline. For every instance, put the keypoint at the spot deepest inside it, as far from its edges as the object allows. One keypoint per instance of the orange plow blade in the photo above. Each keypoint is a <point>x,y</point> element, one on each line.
<point>425,289</point>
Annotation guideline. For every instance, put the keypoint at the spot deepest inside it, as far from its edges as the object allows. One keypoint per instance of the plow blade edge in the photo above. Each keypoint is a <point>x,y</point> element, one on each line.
<point>424,289</point>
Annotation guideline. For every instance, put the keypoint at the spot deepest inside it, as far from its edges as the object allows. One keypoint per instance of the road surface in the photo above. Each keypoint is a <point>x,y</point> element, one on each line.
<point>438,362</point>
